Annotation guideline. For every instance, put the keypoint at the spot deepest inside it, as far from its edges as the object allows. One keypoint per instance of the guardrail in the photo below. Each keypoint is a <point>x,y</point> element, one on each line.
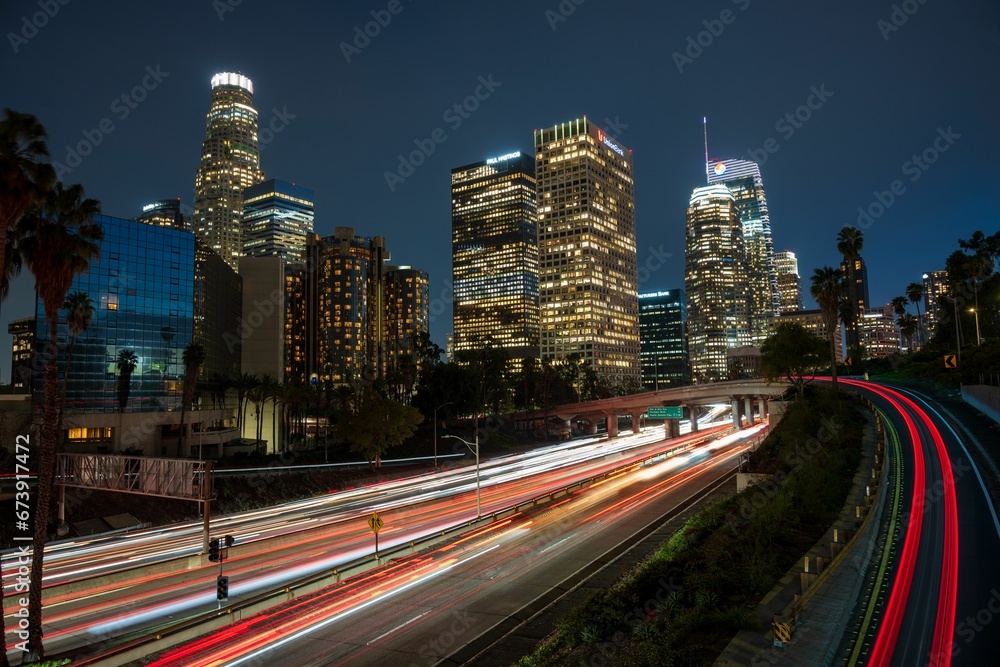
<point>205,622</point>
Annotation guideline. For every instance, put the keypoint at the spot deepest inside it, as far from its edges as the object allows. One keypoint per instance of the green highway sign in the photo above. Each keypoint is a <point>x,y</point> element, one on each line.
<point>665,412</point>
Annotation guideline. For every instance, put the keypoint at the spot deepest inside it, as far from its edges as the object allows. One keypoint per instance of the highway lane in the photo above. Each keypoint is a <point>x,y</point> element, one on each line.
<point>950,529</point>
<point>71,560</point>
<point>421,610</point>
<point>146,602</point>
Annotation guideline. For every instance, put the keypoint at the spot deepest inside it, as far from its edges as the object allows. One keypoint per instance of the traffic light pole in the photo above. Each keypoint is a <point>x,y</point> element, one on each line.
<point>206,506</point>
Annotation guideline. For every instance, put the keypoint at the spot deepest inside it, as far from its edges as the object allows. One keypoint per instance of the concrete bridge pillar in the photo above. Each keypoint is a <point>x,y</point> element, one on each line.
<point>693,414</point>
<point>592,429</point>
<point>762,407</point>
<point>612,426</point>
<point>671,428</point>
<point>748,410</point>
<point>736,413</point>
<point>635,423</point>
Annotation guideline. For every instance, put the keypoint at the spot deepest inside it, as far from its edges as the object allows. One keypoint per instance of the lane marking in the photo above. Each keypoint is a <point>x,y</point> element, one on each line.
<point>398,627</point>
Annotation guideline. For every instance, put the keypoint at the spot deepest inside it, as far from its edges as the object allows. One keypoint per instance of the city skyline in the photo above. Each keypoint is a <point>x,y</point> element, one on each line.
<point>390,98</point>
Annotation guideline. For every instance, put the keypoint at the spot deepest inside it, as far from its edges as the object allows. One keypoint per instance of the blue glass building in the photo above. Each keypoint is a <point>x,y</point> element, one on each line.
<point>663,339</point>
<point>142,289</point>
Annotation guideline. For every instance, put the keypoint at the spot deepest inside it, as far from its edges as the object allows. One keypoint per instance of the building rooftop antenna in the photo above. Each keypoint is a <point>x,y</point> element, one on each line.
<point>704,123</point>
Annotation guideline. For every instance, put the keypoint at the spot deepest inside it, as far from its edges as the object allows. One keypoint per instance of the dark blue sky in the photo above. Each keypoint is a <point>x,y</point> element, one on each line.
<point>343,125</point>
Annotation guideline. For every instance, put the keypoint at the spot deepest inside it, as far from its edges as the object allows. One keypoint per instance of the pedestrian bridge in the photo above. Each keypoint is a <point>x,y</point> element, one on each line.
<point>740,394</point>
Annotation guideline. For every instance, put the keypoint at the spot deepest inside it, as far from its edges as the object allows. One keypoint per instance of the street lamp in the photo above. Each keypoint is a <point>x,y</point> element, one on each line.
<point>479,511</point>
<point>436,431</point>
<point>974,312</point>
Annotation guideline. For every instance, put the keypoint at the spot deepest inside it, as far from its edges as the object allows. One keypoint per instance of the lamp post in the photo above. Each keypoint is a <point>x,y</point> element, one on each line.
<point>978,339</point>
<point>479,511</point>
<point>436,431</point>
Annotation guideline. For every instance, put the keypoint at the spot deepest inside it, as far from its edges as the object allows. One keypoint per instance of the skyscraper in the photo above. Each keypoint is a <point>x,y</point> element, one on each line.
<point>855,274</point>
<point>743,179</point>
<point>407,304</point>
<point>663,334</point>
<point>494,240</point>
<point>230,163</point>
<point>588,287</point>
<point>789,281</point>
<point>715,282</point>
<point>164,213</point>
<point>277,217</point>
<point>935,289</point>
<point>22,332</point>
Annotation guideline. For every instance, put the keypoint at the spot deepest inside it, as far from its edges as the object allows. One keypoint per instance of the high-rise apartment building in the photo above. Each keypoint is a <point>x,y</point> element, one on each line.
<point>935,291</point>
<point>165,213</point>
<point>494,240</point>
<point>715,282</point>
<point>230,163</point>
<point>277,217</point>
<point>663,339</point>
<point>588,287</point>
<point>789,281</point>
<point>743,179</point>
<point>407,303</point>
<point>855,274</point>
<point>878,333</point>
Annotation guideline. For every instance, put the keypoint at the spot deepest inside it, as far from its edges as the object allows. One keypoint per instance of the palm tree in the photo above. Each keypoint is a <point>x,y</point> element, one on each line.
<point>126,363</point>
<point>269,389</point>
<point>915,293</point>
<point>194,359</point>
<point>25,176</point>
<point>850,241</point>
<point>57,244</point>
<point>899,304</point>
<point>907,327</point>
<point>826,286</point>
<point>79,315</point>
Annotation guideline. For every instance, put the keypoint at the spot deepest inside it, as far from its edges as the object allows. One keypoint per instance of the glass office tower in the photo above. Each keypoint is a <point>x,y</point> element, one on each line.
<point>277,217</point>
<point>494,237</point>
<point>663,335</point>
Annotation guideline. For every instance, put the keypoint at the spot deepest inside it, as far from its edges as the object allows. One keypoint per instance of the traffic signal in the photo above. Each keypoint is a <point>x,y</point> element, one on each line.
<point>229,541</point>
<point>222,587</point>
<point>213,550</point>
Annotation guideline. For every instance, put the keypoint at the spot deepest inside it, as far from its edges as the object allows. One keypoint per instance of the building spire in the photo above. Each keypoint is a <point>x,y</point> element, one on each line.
<point>704,123</point>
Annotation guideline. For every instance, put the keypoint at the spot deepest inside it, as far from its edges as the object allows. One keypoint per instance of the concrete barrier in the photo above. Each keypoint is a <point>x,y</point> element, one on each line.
<point>983,397</point>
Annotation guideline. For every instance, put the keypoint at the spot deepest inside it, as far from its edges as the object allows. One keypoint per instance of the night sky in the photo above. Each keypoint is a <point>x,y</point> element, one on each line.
<point>884,85</point>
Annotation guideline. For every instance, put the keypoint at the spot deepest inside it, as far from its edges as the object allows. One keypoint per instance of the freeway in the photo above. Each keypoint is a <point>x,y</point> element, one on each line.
<point>424,609</point>
<point>941,598</point>
<point>297,539</point>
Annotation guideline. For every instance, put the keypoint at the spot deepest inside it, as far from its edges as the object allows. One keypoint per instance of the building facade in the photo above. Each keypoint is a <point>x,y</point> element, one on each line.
<point>22,333</point>
<point>494,236</point>
<point>663,339</point>
<point>407,303</point>
<point>855,275</point>
<point>743,179</point>
<point>230,163</point>
<point>878,333</point>
<point>936,291</point>
<point>143,291</point>
<point>218,298</point>
<point>789,281</point>
<point>277,218</point>
<point>813,321</point>
<point>165,213</point>
<point>715,282</point>
<point>588,287</point>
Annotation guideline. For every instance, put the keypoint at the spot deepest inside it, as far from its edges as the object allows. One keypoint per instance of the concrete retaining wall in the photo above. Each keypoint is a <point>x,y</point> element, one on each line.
<point>984,398</point>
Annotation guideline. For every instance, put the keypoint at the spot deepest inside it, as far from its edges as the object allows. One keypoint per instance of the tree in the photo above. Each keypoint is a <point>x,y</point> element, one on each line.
<point>56,244</point>
<point>907,327</point>
<point>850,241</point>
<point>826,286</point>
<point>899,304</point>
<point>915,293</point>
<point>79,315</point>
<point>126,363</point>
<point>243,383</point>
<point>374,424</point>
<point>194,359</point>
<point>25,177</point>
<point>791,352</point>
